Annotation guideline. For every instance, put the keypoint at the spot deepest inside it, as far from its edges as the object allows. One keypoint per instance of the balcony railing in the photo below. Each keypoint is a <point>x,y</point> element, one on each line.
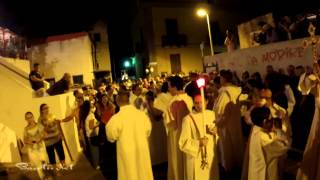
<point>179,40</point>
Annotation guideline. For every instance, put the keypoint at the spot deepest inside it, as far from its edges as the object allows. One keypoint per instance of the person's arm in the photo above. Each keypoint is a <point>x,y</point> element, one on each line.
<point>70,117</point>
<point>147,123</point>
<point>92,124</point>
<point>187,144</point>
<point>219,108</point>
<point>34,78</point>
<point>114,128</point>
<point>26,139</point>
<point>291,99</point>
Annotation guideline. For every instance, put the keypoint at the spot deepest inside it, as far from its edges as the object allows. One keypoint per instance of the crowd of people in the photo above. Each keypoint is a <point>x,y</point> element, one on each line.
<point>248,125</point>
<point>287,28</point>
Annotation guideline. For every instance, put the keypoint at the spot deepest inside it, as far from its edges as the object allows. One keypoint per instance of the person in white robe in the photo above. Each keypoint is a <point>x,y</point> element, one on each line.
<point>192,141</point>
<point>264,149</point>
<point>130,129</point>
<point>310,165</point>
<point>179,107</point>
<point>228,120</point>
<point>163,100</point>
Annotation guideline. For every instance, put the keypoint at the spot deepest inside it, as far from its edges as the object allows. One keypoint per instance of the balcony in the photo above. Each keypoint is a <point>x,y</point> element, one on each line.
<point>179,40</point>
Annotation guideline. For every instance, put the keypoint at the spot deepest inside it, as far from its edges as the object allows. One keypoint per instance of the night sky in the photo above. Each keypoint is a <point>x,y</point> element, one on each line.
<point>36,19</point>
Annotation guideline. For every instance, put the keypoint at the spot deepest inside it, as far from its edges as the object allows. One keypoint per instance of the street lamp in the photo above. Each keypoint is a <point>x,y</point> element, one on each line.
<point>202,13</point>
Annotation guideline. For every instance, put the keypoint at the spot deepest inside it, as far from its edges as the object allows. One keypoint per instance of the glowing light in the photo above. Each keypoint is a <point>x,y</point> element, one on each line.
<point>201,82</point>
<point>151,69</point>
<point>133,60</point>
<point>126,64</point>
<point>202,12</point>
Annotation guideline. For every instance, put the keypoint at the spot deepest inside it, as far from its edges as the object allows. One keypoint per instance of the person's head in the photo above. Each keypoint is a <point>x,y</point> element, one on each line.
<point>165,87</point>
<point>175,84</point>
<point>44,110</point>
<point>266,95</point>
<point>78,94</point>
<point>36,67</point>
<point>67,77</point>
<point>216,82</point>
<point>104,100</point>
<point>123,97</point>
<point>259,115</point>
<point>150,96</point>
<point>245,76</point>
<point>102,88</point>
<point>197,100</point>
<point>270,69</point>
<point>287,20</point>
<point>109,90</point>
<point>29,117</point>
<point>281,71</point>
<point>193,76</point>
<point>257,76</point>
<point>225,77</point>
<point>300,70</point>
<point>136,89</point>
<point>291,70</point>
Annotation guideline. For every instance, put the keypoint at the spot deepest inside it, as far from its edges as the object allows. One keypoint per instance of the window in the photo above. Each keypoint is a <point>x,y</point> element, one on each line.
<point>77,79</point>
<point>171,27</point>
<point>175,63</point>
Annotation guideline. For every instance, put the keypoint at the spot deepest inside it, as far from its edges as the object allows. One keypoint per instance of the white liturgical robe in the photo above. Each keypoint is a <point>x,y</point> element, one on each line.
<point>192,130</point>
<point>264,151</point>
<point>130,128</point>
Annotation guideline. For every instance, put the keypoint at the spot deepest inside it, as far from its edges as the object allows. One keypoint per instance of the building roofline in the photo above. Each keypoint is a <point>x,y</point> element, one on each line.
<point>65,37</point>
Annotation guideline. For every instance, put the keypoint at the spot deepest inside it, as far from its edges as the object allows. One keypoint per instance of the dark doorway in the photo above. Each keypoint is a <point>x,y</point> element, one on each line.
<point>175,63</point>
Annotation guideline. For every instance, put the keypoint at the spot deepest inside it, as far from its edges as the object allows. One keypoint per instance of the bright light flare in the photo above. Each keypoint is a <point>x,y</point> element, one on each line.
<point>201,82</point>
<point>202,12</point>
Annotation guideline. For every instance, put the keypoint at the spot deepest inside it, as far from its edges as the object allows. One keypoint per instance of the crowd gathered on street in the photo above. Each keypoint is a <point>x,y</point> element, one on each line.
<point>245,130</point>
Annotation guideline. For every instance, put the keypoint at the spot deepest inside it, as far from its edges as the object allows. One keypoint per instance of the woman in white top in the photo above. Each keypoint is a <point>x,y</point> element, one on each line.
<point>33,138</point>
<point>91,126</point>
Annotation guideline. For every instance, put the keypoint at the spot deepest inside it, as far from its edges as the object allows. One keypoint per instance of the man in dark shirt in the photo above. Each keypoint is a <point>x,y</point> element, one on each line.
<point>35,78</point>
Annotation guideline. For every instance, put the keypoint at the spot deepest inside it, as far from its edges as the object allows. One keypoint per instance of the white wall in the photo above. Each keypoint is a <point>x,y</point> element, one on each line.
<point>58,57</point>
<point>279,55</point>
<point>23,65</point>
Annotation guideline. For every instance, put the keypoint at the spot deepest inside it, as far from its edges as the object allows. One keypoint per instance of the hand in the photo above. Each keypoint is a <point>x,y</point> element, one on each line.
<point>212,130</point>
<point>203,141</point>
<point>280,114</point>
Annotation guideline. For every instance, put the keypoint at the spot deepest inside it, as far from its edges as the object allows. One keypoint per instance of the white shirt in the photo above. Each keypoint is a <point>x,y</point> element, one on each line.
<point>91,132</point>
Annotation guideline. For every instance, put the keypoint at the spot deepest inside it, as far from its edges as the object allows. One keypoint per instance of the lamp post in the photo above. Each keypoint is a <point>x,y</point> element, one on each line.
<point>201,13</point>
